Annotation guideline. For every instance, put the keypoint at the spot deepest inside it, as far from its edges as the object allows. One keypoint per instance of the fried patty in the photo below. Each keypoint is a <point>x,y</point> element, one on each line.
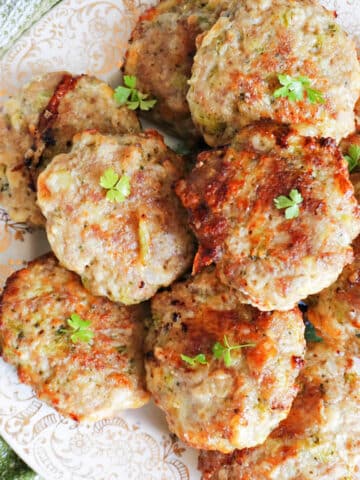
<point>216,405</point>
<point>236,68</point>
<point>336,310</point>
<point>160,55</point>
<point>17,193</point>
<point>41,121</point>
<point>272,261</point>
<point>124,249</point>
<point>320,439</point>
<point>86,380</point>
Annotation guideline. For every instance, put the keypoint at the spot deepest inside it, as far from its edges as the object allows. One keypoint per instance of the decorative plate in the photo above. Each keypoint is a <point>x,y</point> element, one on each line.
<point>85,36</point>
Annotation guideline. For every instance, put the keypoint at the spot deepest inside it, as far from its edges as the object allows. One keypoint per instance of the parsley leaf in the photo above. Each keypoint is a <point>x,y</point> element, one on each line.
<point>310,333</point>
<point>131,97</point>
<point>109,179</point>
<point>294,88</point>
<point>118,188</point>
<point>353,157</point>
<point>290,203</point>
<point>224,351</point>
<point>198,359</point>
<point>130,81</point>
<point>81,331</point>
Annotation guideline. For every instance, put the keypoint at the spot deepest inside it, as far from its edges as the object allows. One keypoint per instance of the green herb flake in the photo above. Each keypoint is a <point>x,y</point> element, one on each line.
<point>294,88</point>
<point>353,157</point>
<point>118,188</point>
<point>81,330</point>
<point>223,351</point>
<point>199,359</point>
<point>310,333</point>
<point>131,97</point>
<point>290,203</point>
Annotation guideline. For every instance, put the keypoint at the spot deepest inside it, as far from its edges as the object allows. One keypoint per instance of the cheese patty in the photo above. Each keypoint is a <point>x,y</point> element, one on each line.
<point>336,310</point>
<point>160,55</point>
<point>86,380</point>
<point>320,439</point>
<point>17,192</point>
<point>40,122</point>
<point>124,249</point>
<point>273,261</point>
<point>218,404</point>
<point>236,68</point>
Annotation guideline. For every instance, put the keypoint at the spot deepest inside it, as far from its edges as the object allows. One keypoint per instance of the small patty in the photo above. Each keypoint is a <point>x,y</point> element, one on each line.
<point>41,121</point>
<point>160,55</point>
<point>272,262</point>
<point>320,439</point>
<point>336,310</point>
<point>127,249</point>
<point>236,67</point>
<point>86,381</point>
<point>17,193</point>
<point>214,405</point>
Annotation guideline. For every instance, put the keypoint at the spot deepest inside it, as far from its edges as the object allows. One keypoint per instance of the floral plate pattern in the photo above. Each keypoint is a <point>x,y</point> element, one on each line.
<point>85,36</point>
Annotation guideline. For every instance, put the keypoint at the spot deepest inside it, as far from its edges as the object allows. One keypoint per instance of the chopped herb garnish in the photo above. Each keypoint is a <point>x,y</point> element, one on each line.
<point>118,188</point>
<point>353,157</point>
<point>81,330</point>
<point>310,333</point>
<point>290,203</point>
<point>131,97</point>
<point>294,88</point>
<point>224,351</point>
<point>198,359</point>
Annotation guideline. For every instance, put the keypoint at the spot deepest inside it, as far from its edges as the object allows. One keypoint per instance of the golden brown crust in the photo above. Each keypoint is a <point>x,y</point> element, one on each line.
<point>160,55</point>
<point>335,311</point>
<point>17,193</point>
<point>145,236</point>
<point>319,440</point>
<point>215,406</point>
<point>272,261</point>
<point>234,75</point>
<point>81,380</point>
<point>40,122</point>
<point>78,103</point>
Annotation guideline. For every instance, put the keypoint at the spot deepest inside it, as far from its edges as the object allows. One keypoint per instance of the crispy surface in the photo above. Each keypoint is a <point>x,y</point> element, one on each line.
<point>127,250</point>
<point>213,406</point>
<point>235,69</point>
<point>41,122</point>
<point>17,193</point>
<point>161,52</point>
<point>353,139</point>
<point>336,310</point>
<point>271,261</point>
<point>84,381</point>
<point>320,439</point>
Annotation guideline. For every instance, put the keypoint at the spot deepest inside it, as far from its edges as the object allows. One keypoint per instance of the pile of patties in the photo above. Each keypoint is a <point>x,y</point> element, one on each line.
<point>225,248</point>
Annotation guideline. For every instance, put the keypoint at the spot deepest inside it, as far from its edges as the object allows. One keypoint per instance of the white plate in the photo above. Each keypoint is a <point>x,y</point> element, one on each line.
<point>85,36</point>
